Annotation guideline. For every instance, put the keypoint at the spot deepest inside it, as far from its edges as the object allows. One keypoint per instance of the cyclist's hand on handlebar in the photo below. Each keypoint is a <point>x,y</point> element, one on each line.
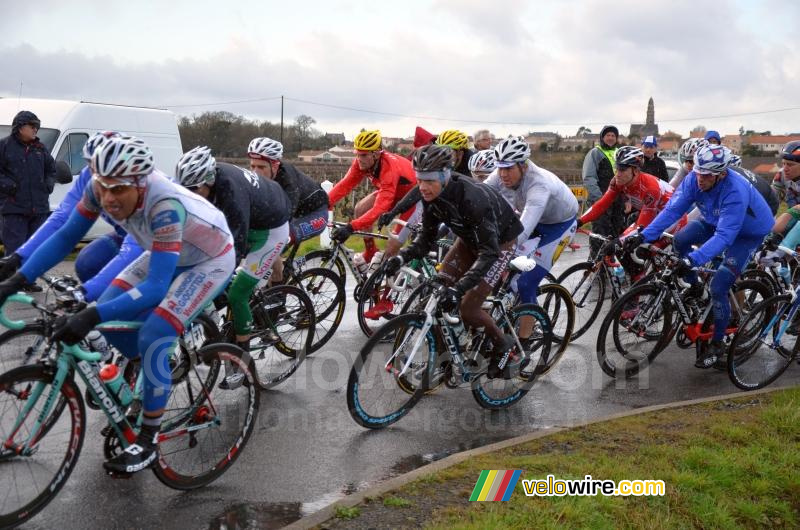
<point>71,330</point>
<point>393,265</point>
<point>341,233</point>
<point>11,286</point>
<point>580,223</point>
<point>682,267</point>
<point>772,241</point>
<point>384,220</point>
<point>630,243</point>
<point>450,300</point>
<point>9,265</point>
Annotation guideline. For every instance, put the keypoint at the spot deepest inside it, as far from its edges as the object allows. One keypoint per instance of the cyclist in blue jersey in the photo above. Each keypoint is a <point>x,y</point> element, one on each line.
<point>188,260</point>
<point>97,263</point>
<point>734,220</point>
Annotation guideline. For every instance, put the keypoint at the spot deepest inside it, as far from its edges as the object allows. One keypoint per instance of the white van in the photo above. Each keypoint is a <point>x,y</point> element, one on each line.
<point>66,125</point>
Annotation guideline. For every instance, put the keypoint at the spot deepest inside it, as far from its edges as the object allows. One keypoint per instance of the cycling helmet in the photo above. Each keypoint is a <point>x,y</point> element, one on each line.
<point>712,159</point>
<point>433,158</point>
<point>454,139</point>
<point>123,157</point>
<point>265,149</point>
<point>629,155</point>
<point>367,141</point>
<point>736,161</point>
<point>689,147</point>
<point>94,142</point>
<point>512,150</point>
<point>791,151</point>
<point>482,161</point>
<point>196,167</point>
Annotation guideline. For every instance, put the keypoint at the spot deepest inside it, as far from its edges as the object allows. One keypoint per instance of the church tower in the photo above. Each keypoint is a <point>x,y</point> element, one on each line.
<point>651,113</point>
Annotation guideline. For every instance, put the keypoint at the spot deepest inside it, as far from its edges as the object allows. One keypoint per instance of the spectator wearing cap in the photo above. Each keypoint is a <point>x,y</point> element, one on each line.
<point>27,178</point>
<point>483,140</point>
<point>598,170</point>
<point>713,137</point>
<point>653,163</point>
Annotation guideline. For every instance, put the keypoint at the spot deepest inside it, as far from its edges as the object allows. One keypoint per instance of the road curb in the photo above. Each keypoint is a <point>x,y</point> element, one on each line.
<point>318,518</point>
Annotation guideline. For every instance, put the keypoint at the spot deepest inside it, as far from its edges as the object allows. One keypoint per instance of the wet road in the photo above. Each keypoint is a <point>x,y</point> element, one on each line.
<point>307,452</point>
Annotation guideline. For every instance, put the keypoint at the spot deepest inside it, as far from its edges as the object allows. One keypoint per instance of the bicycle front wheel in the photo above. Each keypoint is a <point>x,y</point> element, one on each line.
<point>395,358</point>
<point>380,301</point>
<point>29,481</point>
<point>326,291</point>
<point>201,437</point>
<point>557,303</point>
<point>19,347</point>
<point>587,288</point>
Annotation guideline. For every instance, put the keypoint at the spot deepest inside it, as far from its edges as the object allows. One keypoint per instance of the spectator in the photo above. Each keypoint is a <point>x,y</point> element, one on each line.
<point>713,137</point>
<point>653,163</point>
<point>483,139</point>
<point>598,170</point>
<point>27,177</point>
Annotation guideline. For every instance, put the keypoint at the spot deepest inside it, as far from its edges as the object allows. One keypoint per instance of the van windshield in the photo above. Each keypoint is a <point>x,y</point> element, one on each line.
<point>47,136</point>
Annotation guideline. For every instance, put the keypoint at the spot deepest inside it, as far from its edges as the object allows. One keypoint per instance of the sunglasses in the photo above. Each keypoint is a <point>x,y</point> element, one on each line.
<point>116,187</point>
<point>707,174</point>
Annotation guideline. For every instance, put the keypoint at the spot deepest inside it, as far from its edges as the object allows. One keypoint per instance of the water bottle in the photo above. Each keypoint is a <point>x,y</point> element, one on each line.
<point>112,377</point>
<point>98,343</point>
<point>458,328</point>
<point>786,274</point>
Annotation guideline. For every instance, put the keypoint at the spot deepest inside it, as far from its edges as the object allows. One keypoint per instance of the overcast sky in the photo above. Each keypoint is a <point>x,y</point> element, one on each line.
<point>525,65</point>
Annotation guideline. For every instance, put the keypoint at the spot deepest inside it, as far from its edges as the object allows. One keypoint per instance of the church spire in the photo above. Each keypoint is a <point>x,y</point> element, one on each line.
<point>651,113</point>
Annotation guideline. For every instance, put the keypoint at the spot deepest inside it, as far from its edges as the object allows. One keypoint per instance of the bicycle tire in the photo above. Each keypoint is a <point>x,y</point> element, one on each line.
<point>558,306</point>
<point>588,300</point>
<point>71,396</point>
<point>178,429</point>
<point>401,329</point>
<point>317,283</point>
<point>15,355</point>
<point>326,259</point>
<point>375,289</point>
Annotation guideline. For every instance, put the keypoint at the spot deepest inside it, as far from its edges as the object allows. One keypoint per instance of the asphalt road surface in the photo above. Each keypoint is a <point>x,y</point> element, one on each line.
<point>307,452</point>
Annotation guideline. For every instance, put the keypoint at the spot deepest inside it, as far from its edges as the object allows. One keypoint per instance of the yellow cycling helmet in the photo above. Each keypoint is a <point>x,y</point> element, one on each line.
<point>368,141</point>
<point>454,139</point>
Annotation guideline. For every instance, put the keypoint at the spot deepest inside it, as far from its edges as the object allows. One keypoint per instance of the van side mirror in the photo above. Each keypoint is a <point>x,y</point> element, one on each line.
<point>63,173</point>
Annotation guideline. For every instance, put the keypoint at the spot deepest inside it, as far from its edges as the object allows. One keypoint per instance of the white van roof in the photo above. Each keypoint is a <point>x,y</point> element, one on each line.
<point>56,114</point>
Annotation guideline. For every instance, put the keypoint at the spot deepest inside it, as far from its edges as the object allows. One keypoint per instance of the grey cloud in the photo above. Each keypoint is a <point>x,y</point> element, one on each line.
<point>501,22</point>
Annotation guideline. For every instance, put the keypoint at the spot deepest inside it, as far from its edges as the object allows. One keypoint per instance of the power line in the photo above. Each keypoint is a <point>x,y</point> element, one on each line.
<point>255,100</point>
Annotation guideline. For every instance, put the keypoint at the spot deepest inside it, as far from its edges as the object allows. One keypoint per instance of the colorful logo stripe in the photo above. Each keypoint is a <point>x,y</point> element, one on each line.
<point>495,485</point>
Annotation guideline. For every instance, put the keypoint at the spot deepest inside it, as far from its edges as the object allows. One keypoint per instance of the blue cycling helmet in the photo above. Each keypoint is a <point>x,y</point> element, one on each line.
<point>712,159</point>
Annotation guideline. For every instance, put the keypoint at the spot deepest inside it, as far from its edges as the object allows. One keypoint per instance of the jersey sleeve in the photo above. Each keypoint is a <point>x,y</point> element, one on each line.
<point>680,203</point>
<point>129,251</point>
<point>387,190</point>
<point>598,208</point>
<point>651,199</point>
<point>535,202</point>
<point>343,187</point>
<point>236,208</point>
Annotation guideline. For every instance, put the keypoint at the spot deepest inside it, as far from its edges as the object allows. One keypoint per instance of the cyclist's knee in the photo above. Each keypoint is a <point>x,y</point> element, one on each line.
<point>723,280</point>
<point>528,285</point>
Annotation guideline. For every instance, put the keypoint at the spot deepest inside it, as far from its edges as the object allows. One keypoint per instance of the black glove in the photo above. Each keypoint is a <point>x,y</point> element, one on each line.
<point>682,267</point>
<point>393,265</point>
<point>630,243</point>
<point>341,233</point>
<point>609,248</point>
<point>771,242</point>
<point>580,223</point>
<point>11,286</point>
<point>9,265</point>
<point>450,300</point>
<point>384,220</point>
<point>71,330</point>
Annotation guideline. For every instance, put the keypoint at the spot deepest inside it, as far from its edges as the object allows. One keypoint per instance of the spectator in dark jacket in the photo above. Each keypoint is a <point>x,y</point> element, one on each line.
<point>598,170</point>
<point>653,163</point>
<point>27,177</point>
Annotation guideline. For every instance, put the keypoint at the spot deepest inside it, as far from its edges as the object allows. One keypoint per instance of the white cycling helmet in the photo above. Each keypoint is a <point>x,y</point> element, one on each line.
<point>265,148</point>
<point>712,159</point>
<point>689,148</point>
<point>123,157</point>
<point>94,142</point>
<point>196,167</point>
<point>513,150</point>
<point>736,161</point>
<point>629,155</point>
<point>482,161</point>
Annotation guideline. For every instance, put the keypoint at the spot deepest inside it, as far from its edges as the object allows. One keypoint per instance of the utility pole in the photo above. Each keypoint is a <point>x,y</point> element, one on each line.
<point>281,119</point>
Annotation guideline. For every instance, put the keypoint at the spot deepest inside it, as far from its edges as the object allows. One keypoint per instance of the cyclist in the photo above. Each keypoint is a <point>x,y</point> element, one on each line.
<point>392,174</point>
<point>486,228</point>
<point>257,211</point>
<point>459,143</point>
<point>481,164</point>
<point>734,220</point>
<point>686,158</point>
<point>786,182</point>
<point>547,209</point>
<point>100,261</point>
<point>187,262</point>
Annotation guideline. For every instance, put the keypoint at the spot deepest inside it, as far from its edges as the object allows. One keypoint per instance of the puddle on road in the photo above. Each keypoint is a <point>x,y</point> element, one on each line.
<point>279,514</point>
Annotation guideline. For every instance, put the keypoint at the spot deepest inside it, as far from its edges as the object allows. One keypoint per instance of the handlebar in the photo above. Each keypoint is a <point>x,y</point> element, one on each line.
<point>358,232</point>
<point>14,324</point>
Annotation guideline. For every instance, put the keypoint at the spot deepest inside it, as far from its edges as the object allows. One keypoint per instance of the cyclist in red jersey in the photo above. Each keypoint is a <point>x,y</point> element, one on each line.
<point>392,174</point>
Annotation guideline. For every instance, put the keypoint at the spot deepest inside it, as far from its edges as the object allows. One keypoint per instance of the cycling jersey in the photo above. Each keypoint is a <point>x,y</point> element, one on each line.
<point>305,195</point>
<point>248,202</point>
<point>788,190</point>
<point>647,194</point>
<point>733,206</point>
<point>393,175</point>
<point>540,197</point>
<point>762,186</point>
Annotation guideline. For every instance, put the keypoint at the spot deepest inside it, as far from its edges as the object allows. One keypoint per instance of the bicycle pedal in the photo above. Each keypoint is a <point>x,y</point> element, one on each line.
<point>118,475</point>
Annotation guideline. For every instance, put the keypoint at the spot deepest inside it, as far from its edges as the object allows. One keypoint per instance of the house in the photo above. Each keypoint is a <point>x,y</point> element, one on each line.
<point>340,157</point>
<point>766,170</point>
<point>733,142</point>
<point>536,139</point>
<point>335,138</point>
<point>769,143</point>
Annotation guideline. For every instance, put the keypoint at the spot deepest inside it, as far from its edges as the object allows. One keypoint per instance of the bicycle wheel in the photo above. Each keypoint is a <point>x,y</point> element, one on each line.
<point>375,394</point>
<point>19,347</point>
<point>755,360</point>
<point>523,366</point>
<point>326,291</point>
<point>587,288</point>
<point>29,482</point>
<point>286,310</point>
<point>378,291</point>
<point>764,278</point>
<point>327,259</point>
<point>639,324</point>
<point>557,303</point>
<point>201,438</point>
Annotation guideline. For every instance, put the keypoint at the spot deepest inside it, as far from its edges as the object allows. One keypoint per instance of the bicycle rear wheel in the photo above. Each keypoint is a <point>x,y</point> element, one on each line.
<point>588,290</point>
<point>205,428</point>
<point>377,292</point>
<point>29,482</point>
<point>376,392</point>
<point>557,303</point>
<point>326,291</point>
<point>326,259</point>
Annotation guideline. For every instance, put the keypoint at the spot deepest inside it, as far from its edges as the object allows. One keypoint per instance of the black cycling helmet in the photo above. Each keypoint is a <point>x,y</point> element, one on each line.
<point>433,158</point>
<point>791,151</point>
